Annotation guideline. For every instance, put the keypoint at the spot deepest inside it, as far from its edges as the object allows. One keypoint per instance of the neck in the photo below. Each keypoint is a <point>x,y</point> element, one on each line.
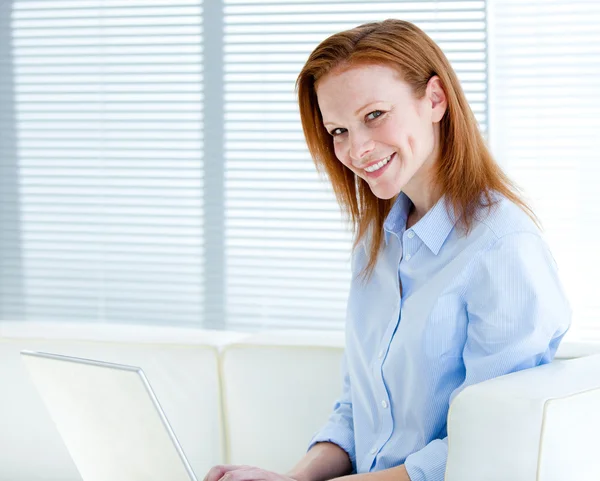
<point>423,198</point>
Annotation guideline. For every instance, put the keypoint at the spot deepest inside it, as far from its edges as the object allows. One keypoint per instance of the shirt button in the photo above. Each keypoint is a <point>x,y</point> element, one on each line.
<point>407,257</point>
<point>373,451</point>
<point>380,355</point>
<point>384,404</point>
<point>410,234</point>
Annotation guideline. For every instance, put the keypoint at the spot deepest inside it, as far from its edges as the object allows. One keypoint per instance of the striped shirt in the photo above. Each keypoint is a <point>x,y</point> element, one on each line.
<point>472,307</point>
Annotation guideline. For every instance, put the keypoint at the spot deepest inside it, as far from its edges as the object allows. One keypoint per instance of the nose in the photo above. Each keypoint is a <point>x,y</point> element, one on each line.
<point>360,146</point>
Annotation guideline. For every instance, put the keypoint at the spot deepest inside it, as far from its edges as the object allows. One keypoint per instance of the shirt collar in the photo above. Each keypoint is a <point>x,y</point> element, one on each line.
<point>433,229</point>
<point>395,222</point>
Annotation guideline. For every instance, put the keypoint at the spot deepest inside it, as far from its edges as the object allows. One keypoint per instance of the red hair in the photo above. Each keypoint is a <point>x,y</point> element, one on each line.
<point>466,172</point>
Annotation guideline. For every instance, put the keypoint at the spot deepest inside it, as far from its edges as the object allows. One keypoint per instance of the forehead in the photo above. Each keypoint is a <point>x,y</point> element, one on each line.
<point>348,89</point>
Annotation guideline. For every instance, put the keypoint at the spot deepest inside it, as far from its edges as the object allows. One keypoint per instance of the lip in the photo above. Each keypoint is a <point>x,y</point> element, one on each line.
<point>378,172</point>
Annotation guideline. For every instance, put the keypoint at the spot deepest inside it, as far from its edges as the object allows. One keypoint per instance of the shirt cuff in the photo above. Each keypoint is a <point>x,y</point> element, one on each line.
<point>344,438</point>
<point>428,464</point>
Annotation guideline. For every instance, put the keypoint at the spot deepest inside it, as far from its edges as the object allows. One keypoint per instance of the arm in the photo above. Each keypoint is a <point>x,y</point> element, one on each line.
<point>322,462</point>
<point>397,473</point>
<point>517,315</point>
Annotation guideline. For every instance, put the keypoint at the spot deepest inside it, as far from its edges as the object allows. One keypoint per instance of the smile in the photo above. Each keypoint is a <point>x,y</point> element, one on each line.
<point>378,165</point>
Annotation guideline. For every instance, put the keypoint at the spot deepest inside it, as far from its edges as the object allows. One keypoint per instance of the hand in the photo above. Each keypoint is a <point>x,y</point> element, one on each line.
<point>231,472</point>
<point>217,472</point>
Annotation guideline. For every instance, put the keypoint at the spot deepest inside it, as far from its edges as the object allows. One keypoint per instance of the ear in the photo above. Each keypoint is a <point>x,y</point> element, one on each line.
<point>437,97</point>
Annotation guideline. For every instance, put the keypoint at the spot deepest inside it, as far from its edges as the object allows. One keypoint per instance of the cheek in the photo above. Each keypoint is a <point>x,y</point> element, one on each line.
<point>390,132</point>
<point>424,134</point>
<point>422,137</point>
<point>341,152</point>
<point>427,140</point>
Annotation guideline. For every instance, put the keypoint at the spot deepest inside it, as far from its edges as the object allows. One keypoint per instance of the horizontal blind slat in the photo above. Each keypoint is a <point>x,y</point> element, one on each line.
<point>111,217</point>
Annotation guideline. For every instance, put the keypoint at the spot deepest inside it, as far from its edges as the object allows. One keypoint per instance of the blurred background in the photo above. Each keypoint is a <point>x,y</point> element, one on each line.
<point>153,169</point>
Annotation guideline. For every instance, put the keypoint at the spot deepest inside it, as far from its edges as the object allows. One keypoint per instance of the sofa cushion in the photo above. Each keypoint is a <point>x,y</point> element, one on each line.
<point>278,390</point>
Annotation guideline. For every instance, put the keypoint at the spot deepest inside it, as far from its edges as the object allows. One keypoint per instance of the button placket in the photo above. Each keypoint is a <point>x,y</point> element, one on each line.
<point>410,245</point>
<point>381,353</point>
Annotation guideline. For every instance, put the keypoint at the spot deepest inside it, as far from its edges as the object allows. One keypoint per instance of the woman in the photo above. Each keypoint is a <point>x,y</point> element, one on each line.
<point>452,283</point>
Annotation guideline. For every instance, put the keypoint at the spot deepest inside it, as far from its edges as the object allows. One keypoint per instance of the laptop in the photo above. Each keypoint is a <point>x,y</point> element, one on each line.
<point>109,418</point>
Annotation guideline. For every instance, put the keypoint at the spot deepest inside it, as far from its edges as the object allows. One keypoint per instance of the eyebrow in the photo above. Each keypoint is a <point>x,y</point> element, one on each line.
<point>357,110</point>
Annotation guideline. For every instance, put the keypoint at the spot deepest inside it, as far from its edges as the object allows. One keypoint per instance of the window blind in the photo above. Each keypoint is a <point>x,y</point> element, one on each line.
<point>108,126</point>
<point>545,60</point>
<point>287,248</point>
<point>10,278</point>
<point>117,216</point>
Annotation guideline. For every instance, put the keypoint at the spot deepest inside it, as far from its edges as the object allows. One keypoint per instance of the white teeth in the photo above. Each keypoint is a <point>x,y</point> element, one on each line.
<point>379,164</point>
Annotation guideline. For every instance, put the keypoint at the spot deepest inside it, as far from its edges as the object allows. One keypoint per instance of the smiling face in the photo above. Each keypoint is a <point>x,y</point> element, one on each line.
<point>380,130</point>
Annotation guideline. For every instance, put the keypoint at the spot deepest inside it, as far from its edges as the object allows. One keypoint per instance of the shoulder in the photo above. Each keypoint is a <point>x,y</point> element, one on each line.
<point>514,278</point>
<point>504,218</point>
<point>509,244</point>
<point>503,226</point>
<point>514,253</point>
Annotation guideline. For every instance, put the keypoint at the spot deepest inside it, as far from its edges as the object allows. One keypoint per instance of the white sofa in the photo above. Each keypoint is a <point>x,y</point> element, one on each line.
<point>257,399</point>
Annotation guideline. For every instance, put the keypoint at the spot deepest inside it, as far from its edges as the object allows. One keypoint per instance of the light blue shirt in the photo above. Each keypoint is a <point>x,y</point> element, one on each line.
<point>472,308</point>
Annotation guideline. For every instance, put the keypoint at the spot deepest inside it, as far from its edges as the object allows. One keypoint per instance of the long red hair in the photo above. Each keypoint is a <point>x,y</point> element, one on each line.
<point>466,172</point>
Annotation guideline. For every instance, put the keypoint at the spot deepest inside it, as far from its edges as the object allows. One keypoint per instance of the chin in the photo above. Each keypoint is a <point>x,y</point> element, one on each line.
<point>384,192</point>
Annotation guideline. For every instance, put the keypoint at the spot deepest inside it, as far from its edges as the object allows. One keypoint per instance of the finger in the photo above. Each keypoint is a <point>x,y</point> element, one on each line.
<point>217,472</point>
<point>247,473</point>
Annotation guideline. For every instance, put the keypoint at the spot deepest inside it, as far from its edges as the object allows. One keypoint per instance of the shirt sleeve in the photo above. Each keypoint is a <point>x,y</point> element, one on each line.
<point>339,429</point>
<point>517,315</point>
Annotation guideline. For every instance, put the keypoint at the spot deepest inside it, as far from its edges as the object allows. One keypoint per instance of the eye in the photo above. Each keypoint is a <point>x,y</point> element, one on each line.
<point>373,115</point>
<point>336,132</point>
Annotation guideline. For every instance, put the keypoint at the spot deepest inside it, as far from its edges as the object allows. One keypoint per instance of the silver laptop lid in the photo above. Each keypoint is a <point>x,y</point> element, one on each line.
<point>109,419</point>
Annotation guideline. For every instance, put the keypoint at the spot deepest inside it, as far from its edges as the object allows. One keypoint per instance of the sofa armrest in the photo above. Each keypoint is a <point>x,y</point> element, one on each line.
<point>539,424</point>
